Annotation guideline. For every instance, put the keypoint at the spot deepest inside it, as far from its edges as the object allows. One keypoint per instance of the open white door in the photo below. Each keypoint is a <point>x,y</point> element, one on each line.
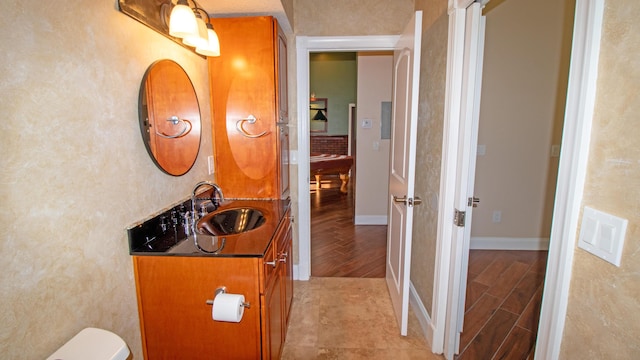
<point>465,173</point>
<point>406,82</point>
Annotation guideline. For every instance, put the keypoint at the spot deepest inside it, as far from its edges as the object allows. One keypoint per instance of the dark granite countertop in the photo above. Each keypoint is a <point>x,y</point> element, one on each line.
<point>149,239</point>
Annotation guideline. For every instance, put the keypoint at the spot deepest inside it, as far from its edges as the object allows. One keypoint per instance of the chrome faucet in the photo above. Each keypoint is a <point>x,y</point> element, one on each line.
<point>203,210</point>
<point>195,216</point>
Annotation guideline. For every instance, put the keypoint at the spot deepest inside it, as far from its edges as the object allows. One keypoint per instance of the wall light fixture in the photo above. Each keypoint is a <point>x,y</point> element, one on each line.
<point>192,28</point>
<point>180,20</point>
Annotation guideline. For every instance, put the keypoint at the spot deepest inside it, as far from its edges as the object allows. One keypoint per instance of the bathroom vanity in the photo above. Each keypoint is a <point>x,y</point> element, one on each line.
<point>175,280</point>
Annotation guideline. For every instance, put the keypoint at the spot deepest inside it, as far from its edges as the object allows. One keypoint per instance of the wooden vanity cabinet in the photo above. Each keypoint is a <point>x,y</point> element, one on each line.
<point>278,294</point>
<point>176,322</point>
<point>248,83</point>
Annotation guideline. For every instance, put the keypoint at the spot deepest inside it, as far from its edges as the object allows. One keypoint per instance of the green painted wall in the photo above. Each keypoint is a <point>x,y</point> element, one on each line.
<point>334,76</point>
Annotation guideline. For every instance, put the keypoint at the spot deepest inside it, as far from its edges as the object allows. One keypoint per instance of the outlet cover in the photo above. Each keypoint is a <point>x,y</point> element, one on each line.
<point>602,235</point>
<point>210,163</point>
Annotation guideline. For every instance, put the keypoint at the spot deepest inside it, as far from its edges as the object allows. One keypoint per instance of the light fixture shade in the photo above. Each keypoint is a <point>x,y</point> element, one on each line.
<point>213,45</point>
<point>200,38</point>
<point>320,116</point>
<point>182,21</point>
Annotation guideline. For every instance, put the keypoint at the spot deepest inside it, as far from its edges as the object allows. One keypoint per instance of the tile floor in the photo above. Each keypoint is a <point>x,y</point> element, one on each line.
<point>349,318</point>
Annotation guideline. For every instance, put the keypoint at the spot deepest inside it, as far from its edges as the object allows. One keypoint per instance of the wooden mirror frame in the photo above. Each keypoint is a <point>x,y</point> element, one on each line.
<point>169,116</point>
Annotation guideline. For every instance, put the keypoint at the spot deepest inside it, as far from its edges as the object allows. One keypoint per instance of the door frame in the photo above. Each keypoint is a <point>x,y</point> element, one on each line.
<point>574,156</point>
<point>305,45</point>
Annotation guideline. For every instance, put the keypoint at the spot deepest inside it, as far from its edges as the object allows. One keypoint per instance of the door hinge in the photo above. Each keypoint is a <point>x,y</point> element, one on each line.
<point>458,218</point>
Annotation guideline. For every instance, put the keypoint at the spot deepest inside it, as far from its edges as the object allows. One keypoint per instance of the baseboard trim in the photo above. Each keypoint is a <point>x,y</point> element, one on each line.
<point>508,243</point>
<point>421,313</point>
<point>370,220</point>
<point>296,273</point>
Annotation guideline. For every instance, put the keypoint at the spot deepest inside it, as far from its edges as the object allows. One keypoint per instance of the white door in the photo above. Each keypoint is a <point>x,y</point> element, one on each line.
<point>465,172</point>
<point>406,79</point>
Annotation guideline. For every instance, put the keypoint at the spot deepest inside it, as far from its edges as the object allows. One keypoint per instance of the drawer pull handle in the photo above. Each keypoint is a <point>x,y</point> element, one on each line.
<point>272,263</point>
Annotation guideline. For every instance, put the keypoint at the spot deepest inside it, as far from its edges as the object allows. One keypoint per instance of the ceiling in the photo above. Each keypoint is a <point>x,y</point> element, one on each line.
<point>225,8</point>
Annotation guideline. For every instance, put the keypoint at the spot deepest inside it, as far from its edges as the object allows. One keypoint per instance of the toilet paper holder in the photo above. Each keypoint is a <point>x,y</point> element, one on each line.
<point>223,290</point>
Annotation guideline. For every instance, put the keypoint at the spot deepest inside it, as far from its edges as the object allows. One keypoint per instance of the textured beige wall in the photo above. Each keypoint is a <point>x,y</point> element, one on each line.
<point>429,152</point>
<point>603,318</point>
<point>351,17</point>
<point>374,86</point>
<point>520,94</point>
<point>75,172</point>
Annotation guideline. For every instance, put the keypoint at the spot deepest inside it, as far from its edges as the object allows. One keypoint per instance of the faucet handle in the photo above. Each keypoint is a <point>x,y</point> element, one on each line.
<point>203,209</point>
<point>187,221</point>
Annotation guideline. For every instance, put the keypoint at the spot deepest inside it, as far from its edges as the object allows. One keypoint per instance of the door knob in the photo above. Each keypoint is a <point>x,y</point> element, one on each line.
<point>409,201</point>
<point>400,199</point>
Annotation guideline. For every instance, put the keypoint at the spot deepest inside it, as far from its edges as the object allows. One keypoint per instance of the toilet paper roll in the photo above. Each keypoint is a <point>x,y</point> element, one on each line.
<point>228,307</point>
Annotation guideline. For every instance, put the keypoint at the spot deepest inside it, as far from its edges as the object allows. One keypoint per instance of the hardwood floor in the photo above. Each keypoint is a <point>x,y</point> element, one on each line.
<point>504,288</point>
<point>339,248</point>
<point>504,293</point>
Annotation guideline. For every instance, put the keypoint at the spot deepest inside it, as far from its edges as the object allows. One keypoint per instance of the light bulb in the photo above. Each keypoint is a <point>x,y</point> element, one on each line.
<point>212,47</point>
<point>182,21</point>
<point>200,37</point>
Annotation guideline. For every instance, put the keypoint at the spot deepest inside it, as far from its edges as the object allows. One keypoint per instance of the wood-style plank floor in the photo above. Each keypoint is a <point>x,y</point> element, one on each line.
<point>338,247</point>
<point>504,288</point>
<point>504,294</point>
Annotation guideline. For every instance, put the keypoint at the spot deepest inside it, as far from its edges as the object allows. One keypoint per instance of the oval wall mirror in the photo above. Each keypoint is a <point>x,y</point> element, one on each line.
<point>169,117</point>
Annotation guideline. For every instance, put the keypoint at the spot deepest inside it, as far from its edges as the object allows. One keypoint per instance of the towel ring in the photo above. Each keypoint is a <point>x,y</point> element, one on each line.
<point>251,120</point>
<point>175,121</point>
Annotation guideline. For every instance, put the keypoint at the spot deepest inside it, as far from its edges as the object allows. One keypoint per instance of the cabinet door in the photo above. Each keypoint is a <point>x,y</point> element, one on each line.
<point>283,150</point>
<point>175,319</point>
<point>281,74</point>
<point>287,280</point>
<point>243,87</point>
<point>273,318</point>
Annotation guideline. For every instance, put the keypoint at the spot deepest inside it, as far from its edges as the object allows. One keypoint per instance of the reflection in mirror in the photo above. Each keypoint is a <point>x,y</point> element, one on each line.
<point>169,117</point>
<point>318,115</point>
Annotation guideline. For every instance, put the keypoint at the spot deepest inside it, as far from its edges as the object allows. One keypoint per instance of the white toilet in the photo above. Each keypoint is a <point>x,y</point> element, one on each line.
<point>95,344</point>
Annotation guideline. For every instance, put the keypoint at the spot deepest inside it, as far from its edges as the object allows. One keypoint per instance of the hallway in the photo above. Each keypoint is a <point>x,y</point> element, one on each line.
<point>504,291</point>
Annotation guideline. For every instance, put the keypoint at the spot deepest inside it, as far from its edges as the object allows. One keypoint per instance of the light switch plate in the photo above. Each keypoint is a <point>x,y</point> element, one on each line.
<point>367,124</point>
<point>602,234</point>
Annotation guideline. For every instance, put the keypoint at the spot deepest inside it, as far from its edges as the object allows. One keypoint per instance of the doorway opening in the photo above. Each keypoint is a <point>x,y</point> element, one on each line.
<point>351,91</point>
<point>520,130</point>
<point>305,46</point>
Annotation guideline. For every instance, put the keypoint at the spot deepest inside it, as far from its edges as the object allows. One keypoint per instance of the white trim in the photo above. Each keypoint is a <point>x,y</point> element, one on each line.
<point>421,313</point>
<point>571,175</point>
<point>371,220</point>
<point>304,45</point>
<point>453,97</point>
<point>509,243</point>
<point>296,272</point>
